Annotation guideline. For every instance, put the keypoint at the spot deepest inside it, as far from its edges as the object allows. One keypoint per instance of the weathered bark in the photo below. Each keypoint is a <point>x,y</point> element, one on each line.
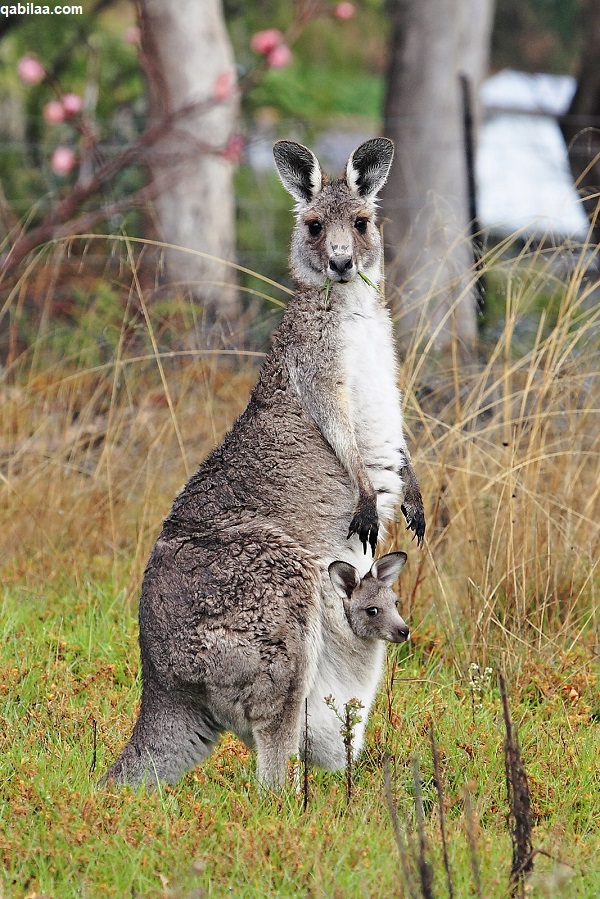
<point>425,202</point>
<point>185,49</point>
<point>581,124</point>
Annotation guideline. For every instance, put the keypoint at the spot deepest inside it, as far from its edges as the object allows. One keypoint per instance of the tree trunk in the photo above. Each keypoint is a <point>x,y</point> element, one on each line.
<point>580,126</point>
<point>425,202</point>
<point>186,55</point>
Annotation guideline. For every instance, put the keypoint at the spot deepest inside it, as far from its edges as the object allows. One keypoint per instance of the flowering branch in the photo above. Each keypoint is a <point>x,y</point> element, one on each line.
<point>60,221</point>
<point>64,217</point>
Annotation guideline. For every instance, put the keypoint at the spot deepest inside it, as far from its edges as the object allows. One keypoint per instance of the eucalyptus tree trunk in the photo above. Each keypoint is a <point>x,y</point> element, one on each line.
<point>429,255</point>
<point>189,68</point>
<point>580,124</point>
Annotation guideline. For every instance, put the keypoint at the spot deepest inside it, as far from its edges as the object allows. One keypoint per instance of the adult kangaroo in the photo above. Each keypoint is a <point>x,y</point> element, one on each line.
<point>309,474</point>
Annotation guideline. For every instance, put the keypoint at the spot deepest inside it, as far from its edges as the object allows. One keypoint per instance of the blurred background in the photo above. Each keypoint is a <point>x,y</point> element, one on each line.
<point>155,120</point>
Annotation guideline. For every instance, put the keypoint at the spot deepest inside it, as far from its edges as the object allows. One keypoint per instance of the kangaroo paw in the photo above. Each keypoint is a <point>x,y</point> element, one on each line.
<point>415,517</point>
<point>366,524</point>
<point>412,507</point>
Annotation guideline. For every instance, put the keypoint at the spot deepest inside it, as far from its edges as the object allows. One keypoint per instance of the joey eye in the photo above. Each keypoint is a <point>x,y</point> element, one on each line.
<point>361,225</point>
<point>314,228</point>
<point>372,611</point>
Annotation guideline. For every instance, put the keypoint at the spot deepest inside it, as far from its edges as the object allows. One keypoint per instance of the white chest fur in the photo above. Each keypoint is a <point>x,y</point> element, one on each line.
<point>339,679</point>
<point>371,374</point>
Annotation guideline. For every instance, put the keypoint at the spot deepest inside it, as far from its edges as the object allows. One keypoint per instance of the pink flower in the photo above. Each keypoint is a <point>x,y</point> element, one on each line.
<point>279,57</point>
<point>72,104</point>
<point>132,35</point>
<point>224,85</point>
<point>30,70</point>
<point>234,148</point>
<point>63,161</point>
<point>344,11</point>
<point>265,42</point>
<point>53,112</point>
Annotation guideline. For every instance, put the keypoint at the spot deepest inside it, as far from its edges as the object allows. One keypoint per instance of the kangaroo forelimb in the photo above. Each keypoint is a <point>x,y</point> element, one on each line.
<point>412,505</point>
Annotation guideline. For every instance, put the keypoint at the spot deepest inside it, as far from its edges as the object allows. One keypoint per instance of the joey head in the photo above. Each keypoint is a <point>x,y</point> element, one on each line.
<point>369,602</point>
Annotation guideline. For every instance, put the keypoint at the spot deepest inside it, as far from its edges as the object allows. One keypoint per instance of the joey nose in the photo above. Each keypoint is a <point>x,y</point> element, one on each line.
<point>340,265</point>
<point>403,633</point>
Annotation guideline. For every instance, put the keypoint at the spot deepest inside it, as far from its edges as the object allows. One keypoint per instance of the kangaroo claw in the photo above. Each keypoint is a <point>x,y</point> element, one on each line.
<point>415,520</point>
<point>366,525</point>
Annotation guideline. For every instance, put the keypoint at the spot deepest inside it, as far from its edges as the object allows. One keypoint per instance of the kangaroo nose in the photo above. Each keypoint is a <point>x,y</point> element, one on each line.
<point>404,632</point>
<point>340,264</point>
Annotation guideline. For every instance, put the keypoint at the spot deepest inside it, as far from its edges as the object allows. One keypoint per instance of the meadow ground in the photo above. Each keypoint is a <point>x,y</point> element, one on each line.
<point>96,437</point>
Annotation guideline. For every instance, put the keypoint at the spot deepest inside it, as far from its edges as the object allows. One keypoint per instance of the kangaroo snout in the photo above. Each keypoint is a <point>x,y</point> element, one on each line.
<point>341,267</point>
<point>387,625</point>
<point>402,633</point>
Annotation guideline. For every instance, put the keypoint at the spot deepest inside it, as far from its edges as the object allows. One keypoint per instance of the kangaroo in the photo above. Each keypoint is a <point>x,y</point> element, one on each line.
<point>369,602</point>
<point>309,473</point>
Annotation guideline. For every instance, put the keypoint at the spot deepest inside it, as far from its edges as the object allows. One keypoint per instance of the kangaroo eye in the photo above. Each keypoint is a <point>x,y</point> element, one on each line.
<point>372,611</point>
<point>314,228</point>
<point>361,225</point>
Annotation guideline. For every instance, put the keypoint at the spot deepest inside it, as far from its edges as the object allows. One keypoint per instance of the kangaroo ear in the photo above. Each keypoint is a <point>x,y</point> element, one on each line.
<point>387,568</point>
<point>369,166</point>
<point>298,169</point>
<point>344,577</point>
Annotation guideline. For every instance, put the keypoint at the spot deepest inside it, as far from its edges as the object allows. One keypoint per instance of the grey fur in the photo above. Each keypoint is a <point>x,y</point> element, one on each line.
<point>239,622</point>
<point>369,602</point>
<point>299,170</point>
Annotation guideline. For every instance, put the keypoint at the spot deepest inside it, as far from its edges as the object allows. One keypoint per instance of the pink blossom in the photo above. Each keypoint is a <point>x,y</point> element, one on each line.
<point>234,148</point>
<point>344,11</point>
<point>132,35</point>
<point>264,42</point>
<point>30,70</point>
<point>279,57</point>
<point>72,104</point>
<point>53,112</point>
<point>63,161</point>
<point>224,85</point>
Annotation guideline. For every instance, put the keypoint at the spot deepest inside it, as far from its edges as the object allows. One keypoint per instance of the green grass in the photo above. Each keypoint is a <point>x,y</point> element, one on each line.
<point>69,659</point>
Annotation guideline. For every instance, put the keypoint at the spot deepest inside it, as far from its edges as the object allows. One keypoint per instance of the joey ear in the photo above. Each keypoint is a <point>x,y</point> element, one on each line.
<point>369,166</point>
<point>299,170</point>
<point>344,577</point>
<point>387,568</point>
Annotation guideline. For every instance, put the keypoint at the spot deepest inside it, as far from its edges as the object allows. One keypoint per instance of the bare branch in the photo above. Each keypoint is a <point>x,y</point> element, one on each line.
<point>60,221</point>
<point>440,794</point>
<point>425,870</point>
<point>399,836</point>
<point>519,815</point>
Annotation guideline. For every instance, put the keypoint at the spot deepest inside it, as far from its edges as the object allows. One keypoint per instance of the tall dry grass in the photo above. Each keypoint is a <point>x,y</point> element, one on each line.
<point>96,440</point>
<point>508,456</point>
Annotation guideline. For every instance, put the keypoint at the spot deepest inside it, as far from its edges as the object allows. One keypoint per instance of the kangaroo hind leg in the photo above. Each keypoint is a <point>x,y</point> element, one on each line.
<point>275,743</point>
<point>172,734</point>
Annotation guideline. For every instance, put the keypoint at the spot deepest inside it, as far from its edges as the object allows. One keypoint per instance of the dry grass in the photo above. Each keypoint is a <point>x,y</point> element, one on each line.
<point>508,456</point>
<point>506,450</point>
